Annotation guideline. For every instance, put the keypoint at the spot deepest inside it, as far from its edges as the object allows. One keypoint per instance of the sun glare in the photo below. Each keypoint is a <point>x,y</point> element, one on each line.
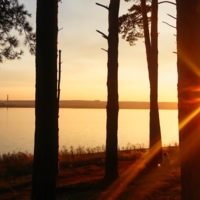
<point>188,118</point>
<point>132,172</point>
<point>190,63</point>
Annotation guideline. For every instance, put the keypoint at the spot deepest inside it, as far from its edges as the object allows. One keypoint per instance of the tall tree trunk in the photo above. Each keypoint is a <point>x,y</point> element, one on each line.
<point>146,35</point>
<point>155,133</point>
<point>111,165</point>
<point>46,122</point>
<point>188,65</point>
<point>58,107</point>
<point>155,142</point>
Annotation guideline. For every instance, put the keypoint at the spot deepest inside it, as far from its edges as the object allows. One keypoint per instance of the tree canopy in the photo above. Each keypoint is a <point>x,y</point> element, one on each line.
<point>131,24</point>
<point>13,16</point>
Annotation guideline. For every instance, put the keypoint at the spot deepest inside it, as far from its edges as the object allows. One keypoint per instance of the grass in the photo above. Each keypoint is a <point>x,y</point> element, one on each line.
<point>18,164</point>
<point>79,168</point>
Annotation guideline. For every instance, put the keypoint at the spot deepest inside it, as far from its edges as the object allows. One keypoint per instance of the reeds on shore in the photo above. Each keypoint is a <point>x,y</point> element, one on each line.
<point>18,164</point>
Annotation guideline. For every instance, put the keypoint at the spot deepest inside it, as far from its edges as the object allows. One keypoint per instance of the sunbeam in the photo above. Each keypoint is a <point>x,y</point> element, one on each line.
<point>188,118</point>
<point>129,175</point>
<point>194,67</point>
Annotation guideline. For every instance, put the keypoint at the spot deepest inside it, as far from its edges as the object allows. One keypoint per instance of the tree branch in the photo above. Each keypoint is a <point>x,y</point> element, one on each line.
<point>169,25</point>
<point>172,16</point>
<point>167,2</point>
<point>104,49</point>
<point>102,6</point>
<point>103,35</point>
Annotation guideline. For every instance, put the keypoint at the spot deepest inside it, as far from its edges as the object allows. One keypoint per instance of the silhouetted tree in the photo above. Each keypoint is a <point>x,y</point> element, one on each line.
<point>155,142</point>
<point>14,16</point>
<point>138,14</point>
<point>58,105</point>
<point>188,64</point>
<point>131,24</point>
<point>46,123</point>
<point>112,108</point>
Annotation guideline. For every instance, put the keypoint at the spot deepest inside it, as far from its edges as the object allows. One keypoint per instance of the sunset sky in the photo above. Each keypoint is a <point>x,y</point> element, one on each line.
<point>84,64</point>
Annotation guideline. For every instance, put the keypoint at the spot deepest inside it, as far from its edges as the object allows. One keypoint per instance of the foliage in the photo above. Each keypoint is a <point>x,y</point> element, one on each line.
<point>13,16</point>
<point>15,164</point>
<point>18,164</point>
<point>131,24</point>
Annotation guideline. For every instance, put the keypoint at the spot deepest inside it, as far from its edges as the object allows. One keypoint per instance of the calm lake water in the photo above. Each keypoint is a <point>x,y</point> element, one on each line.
<point>83,127</point>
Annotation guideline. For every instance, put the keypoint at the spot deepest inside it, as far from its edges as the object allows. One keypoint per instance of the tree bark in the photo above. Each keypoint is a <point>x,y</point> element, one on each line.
<point>58,107</point>
<point>151,44</point>
<point>146,35</point>
<point>188,65</point>
<point>46,119</point>
<point>155,133</point>
<point>111,165</point>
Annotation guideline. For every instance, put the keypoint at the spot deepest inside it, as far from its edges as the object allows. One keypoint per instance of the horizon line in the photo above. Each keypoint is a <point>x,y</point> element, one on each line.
<point>95,100</point>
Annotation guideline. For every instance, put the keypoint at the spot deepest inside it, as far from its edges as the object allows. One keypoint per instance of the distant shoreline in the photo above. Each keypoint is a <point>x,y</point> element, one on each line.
<point>96,104</point>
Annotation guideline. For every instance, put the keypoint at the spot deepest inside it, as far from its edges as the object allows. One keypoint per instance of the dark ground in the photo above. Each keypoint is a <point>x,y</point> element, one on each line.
<point>85,183</point>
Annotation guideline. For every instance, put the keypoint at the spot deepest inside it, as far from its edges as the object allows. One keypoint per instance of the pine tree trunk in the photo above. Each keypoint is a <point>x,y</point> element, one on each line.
<point>58,107</point>
<point>155,141</point>
<point>46,121</point>
<point>146,35</point>
<point>155,133</point>
<point>188,64</point>
<point>111,165</point>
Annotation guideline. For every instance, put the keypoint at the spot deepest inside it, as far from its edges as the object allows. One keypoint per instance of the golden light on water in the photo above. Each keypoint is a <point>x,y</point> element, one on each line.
<point>120,185</point>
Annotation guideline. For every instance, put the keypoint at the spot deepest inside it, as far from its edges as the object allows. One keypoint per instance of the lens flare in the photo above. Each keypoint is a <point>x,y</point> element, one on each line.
<point>188,118</point>
<point>117,187</point>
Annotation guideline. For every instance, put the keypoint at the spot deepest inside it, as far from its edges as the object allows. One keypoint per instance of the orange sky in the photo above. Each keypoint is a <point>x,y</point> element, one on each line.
<point>84,67</point>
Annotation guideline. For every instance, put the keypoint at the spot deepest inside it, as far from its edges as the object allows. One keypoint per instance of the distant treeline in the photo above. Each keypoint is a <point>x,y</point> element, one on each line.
<point>89,104</point>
